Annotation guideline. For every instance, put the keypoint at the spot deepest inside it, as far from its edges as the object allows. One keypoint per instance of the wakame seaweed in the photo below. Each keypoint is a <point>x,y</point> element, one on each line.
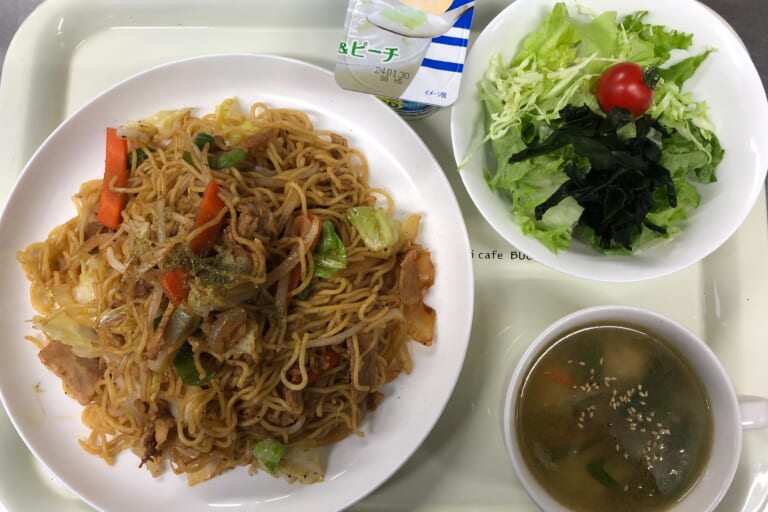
<point>616,190</point>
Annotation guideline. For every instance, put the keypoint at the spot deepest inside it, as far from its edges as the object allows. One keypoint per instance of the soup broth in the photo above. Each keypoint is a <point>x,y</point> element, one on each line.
<point>611,418</point>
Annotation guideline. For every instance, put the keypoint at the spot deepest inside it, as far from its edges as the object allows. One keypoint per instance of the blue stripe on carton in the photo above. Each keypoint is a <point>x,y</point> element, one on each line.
<point>466,19</point>
<point>451,41</point>
<point>454,67</point>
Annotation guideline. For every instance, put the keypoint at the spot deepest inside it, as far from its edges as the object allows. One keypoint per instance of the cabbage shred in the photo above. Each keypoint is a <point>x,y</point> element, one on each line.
<point>557,66</point>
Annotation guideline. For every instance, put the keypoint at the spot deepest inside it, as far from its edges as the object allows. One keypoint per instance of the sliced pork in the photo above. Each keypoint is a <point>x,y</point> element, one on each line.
<point>79,374</point>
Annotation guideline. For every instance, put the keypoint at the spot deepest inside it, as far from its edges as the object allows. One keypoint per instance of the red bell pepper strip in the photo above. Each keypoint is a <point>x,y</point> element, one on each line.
<point>209,208</point>
<point>115,175</point>
<point>175,285</point>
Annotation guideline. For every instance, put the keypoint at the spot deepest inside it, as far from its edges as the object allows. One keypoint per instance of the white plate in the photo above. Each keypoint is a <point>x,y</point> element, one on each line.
<point>49,422</point>
<point>727,81</point>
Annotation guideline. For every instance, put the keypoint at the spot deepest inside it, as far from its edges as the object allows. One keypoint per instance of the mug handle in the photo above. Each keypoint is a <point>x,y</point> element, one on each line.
<point>754,412</point>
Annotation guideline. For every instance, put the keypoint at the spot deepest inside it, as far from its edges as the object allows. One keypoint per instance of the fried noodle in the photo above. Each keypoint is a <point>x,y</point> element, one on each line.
<point>275,351</point>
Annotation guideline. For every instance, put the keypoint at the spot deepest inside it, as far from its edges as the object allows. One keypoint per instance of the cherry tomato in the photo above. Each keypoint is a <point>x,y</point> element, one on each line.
<point>623,85</point>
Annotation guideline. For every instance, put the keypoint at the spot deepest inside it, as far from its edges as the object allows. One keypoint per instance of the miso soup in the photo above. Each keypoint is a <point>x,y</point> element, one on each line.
<point>611,418</point>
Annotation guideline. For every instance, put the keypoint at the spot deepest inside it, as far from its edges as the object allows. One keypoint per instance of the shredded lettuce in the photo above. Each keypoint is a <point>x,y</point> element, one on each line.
<point>558,64</point>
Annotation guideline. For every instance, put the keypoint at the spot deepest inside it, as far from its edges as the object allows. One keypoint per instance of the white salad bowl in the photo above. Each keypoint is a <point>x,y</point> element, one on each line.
<point>727,81</point>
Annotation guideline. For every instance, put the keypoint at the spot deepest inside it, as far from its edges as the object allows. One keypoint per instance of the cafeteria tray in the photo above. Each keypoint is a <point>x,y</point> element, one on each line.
<point>68,51</point>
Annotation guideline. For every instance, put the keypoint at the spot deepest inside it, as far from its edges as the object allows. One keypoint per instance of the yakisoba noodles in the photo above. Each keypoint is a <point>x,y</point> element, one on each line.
<point>250,300</point>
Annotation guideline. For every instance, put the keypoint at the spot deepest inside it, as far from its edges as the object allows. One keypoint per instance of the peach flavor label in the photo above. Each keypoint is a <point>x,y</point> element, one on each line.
<point>412,50</point>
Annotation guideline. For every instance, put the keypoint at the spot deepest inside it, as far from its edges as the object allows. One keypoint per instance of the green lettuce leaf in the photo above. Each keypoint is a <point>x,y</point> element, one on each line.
<point>557,65</point>
<point>660,39</point>
<point>681,71</point>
